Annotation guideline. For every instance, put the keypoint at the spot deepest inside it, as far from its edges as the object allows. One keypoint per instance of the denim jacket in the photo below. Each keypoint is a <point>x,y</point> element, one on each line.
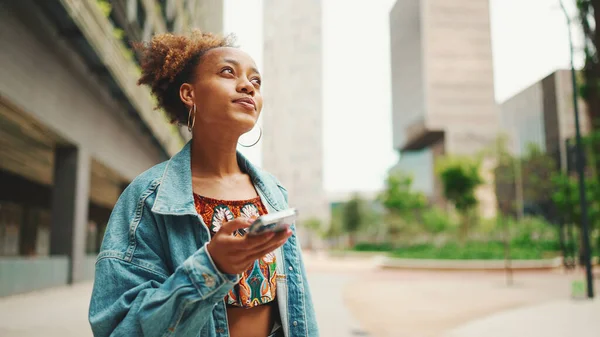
<point>154,276</point>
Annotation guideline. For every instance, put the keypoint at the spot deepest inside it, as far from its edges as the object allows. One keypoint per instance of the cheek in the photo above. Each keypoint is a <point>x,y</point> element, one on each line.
<point>259,102</point>
<point>213,93</point>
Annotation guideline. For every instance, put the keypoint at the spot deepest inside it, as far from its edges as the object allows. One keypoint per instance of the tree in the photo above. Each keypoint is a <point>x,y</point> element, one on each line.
<point>335,228</point>
<point>589,16</point>
<point>538,167</point>
<point>566,199</point>
<point>504,176</point>
<point>353,217</point>
<point>460,178</point>
<point>314,227</point>
<point>589,88</point>
<point>398,196</point>
<point>403,205</point>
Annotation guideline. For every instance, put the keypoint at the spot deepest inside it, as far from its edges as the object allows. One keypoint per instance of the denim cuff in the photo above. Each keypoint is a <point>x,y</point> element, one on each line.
<point>205,275</point>
<point>235,278</point>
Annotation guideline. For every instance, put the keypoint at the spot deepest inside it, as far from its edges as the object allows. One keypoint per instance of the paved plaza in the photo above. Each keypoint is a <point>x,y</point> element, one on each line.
<point>442,304</point>
<point>354,298</point>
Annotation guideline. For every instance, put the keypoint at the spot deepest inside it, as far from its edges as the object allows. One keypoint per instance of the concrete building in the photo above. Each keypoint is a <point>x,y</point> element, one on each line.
<point>292,118</point>
<point>442,85</point>
<point>543,114</point>
<point>74,126</point>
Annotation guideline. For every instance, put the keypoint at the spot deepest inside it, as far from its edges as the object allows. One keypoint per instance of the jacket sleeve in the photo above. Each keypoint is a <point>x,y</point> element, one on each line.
<point>139,296</point>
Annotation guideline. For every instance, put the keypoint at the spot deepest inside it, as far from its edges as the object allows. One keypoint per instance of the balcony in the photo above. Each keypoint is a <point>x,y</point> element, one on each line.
<point>90,31</point>
<point>420,136</point>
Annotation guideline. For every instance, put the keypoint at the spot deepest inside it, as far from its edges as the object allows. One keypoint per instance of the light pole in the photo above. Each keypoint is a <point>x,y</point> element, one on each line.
<point>517,167</point>
<point>580,172</point>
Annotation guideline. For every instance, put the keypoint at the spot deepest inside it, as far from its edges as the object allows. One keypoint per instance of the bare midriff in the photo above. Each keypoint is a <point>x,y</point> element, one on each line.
<point>251,322</point>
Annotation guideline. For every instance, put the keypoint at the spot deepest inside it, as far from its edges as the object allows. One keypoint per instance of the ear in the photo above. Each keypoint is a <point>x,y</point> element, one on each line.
<point>186,93</point>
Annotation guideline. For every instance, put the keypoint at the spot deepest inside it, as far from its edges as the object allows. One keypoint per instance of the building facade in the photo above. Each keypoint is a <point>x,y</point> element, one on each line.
<point>442,85</point>
<point>292,117</point>
<point>75,128</point>
<point>543,114</point>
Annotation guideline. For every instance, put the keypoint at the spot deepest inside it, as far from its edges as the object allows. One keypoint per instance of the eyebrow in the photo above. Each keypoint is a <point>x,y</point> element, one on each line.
<point>236,63</point>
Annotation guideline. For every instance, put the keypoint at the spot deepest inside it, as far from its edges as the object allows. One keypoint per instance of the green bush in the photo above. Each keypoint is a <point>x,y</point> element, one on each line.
<point>373,247</point>
<point>533,229</point>
<point>435,220</point>
<point>473,250</point>
<point>433,236</point>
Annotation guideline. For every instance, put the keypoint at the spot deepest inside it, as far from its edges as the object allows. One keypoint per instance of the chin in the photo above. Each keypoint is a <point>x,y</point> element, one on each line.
<point>246,128</point>
<point>245,121</point>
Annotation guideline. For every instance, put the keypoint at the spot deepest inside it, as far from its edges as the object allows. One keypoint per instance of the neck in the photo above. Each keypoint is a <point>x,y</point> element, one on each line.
<point>214,156</point>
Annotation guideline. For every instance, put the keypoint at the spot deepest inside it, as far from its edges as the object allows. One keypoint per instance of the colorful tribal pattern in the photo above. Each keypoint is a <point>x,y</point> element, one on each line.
<point>258,284</point>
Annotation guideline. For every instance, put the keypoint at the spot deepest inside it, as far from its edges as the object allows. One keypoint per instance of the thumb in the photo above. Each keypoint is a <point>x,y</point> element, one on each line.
<point>235,224</point>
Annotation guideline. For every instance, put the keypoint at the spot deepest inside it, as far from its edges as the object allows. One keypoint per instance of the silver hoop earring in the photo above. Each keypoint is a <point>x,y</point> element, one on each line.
<point>191,118</point>
<point>256,142</point>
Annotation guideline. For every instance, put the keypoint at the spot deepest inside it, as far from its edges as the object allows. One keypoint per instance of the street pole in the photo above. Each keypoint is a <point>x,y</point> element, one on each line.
<point>580,170</point>
<point>517,167</point>
<point>507,260</point>
<point>501,221</point>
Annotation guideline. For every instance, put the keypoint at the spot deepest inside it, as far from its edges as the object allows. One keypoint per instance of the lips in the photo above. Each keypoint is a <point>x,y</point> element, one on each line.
<point>246,101</point>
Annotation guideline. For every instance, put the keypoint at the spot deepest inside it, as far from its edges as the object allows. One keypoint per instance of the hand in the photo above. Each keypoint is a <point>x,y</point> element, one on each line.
<point>235,254</point>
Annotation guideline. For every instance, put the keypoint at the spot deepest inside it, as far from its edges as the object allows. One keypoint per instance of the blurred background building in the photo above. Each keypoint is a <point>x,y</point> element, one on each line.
<point>542,114</point>
<point>442,87</point>
<point>293,118</point>
<point>74,126</point>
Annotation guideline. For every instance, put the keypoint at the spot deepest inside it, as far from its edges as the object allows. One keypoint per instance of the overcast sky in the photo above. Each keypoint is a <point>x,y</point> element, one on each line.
<point>529,41</point>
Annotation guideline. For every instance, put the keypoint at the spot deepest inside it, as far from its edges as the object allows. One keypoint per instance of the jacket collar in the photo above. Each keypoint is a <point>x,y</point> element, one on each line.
<point>175,196</point>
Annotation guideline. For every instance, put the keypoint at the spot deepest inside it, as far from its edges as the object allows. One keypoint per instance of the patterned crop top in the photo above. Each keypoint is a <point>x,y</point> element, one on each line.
<point>258,284</point>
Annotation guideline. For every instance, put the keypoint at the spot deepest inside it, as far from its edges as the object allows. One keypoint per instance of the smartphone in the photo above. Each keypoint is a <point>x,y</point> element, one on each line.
<point>273,222</point>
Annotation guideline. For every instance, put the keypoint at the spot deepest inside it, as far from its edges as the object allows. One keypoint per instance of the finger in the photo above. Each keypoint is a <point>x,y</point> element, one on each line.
<point>250,265</point>
<point>235,224</point>
<point>259,253</point>
<point>262,253</point>
<point>251,258</point>
<point>252,242</point>
<point>274,236</point>
<point>283,234</point>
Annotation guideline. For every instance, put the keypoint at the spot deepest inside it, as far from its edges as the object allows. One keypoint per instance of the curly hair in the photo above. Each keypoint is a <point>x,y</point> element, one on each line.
<point>168,61</point>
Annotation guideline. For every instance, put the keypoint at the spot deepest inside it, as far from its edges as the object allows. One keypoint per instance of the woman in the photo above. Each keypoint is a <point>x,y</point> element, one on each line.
<point>174,260</point>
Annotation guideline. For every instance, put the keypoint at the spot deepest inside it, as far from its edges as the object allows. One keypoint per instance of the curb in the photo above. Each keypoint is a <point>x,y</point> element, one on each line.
<point>468,265</point>
<point>353,254</point>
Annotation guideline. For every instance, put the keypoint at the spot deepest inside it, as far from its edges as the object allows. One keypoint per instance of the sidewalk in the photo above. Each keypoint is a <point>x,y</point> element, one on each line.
<point>433,304</point>
<point>56,312</point>
<point>564,318</point>
<point>351,296</point>
<point>334,319</point>
<point>62,311</point>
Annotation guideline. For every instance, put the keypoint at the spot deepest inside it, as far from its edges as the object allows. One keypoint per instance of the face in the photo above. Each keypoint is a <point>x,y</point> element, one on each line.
<point>226,92</point>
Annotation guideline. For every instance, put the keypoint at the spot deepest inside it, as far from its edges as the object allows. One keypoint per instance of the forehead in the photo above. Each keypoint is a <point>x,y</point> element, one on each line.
<point>228,54</point>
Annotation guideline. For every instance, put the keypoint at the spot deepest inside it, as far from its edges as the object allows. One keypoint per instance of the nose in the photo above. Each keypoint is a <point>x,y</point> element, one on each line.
<point>245,86</point>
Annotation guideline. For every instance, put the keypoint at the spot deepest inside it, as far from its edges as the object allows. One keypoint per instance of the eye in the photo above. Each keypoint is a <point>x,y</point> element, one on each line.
<point>256,81</point>
<point>227,70</point>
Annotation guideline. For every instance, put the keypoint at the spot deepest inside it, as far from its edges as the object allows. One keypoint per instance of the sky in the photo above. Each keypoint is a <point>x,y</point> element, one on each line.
<point>529,41</point>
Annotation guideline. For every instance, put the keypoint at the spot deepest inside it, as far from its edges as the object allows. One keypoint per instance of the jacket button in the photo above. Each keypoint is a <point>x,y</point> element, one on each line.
<point>295,323</point>
<point>209,280</point>
<point>290,268</point>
